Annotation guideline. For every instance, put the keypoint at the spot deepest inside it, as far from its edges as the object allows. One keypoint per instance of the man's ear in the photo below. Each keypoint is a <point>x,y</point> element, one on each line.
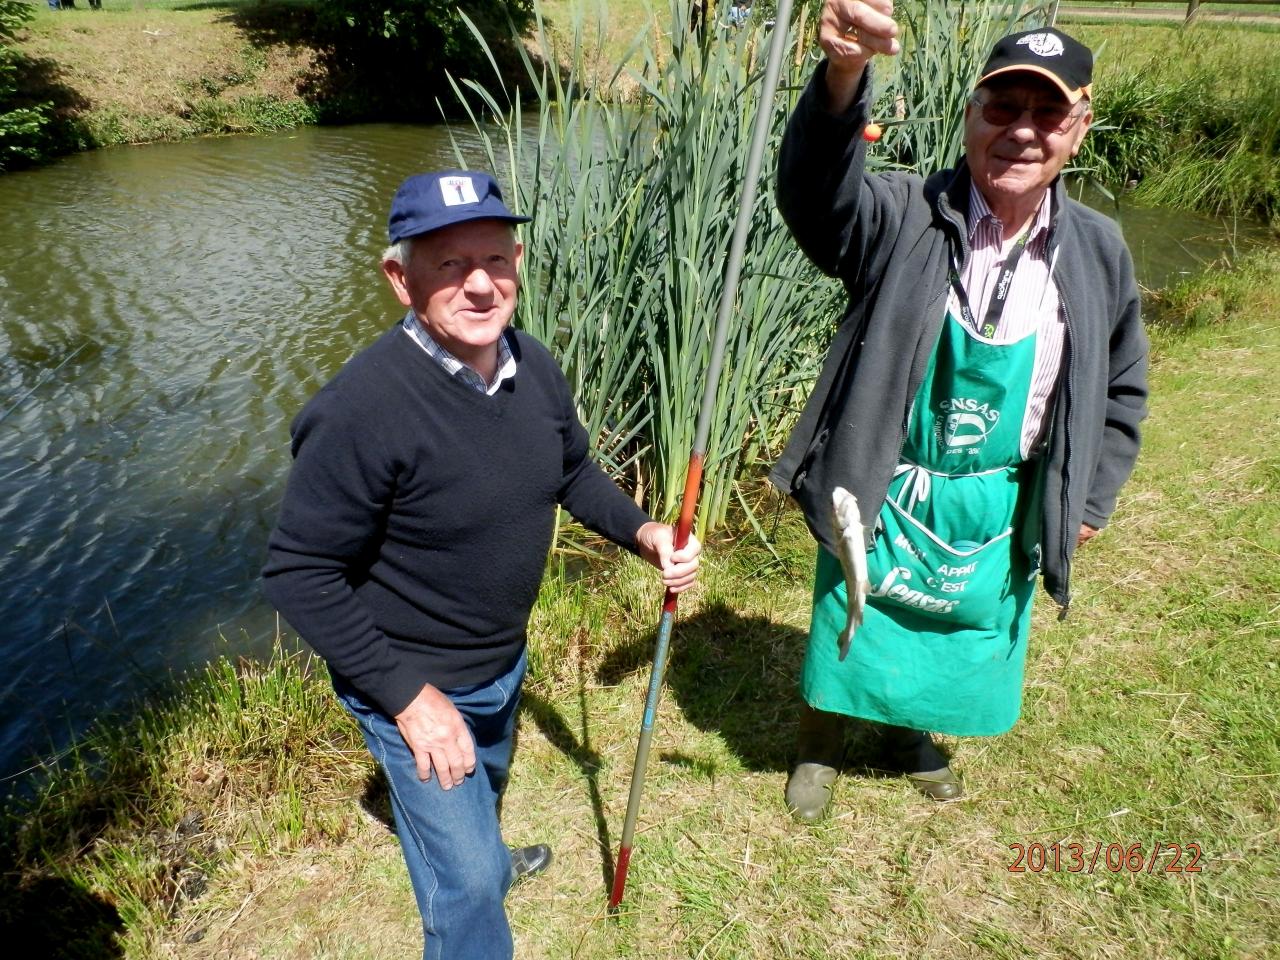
<point>519,253</point>
<point>393,270</point>
<point>1082,128</point>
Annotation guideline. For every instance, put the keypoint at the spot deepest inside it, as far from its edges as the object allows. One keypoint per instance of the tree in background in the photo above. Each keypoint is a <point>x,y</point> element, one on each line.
<point>21,125</point>
<point>397,51</point>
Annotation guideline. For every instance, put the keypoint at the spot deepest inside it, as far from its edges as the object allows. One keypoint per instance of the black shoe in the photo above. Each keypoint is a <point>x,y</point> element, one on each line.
<point>914,753</point>
<point>529,861</point>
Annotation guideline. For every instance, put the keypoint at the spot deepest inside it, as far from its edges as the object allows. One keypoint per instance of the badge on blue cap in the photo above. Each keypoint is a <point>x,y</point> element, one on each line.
<point>458,190</point>
<point>429,201</point>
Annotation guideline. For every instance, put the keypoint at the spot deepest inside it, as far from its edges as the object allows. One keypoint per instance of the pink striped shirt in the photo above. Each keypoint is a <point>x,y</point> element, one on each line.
<point>1032,303</point>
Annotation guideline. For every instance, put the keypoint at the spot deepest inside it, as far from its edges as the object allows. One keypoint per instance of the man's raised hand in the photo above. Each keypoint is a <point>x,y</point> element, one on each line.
<point>850,33</point>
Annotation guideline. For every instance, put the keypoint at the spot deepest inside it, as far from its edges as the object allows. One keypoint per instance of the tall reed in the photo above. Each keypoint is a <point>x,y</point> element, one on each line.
<point>633,179</point>
<point>633,199</point>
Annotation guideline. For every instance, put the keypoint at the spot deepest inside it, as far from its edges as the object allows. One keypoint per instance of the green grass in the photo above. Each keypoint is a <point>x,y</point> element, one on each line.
<point>134,73</point>
<point>1190,116</point>
<point>620,24</point>
<point>234,821</point>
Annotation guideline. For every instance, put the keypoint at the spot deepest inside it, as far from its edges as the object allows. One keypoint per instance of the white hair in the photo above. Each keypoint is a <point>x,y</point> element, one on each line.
<point>399,251</point>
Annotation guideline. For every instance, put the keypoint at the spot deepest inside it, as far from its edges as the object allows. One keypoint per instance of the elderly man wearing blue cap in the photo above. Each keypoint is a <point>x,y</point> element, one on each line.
<point>414,532</point>
<point>981,398</point>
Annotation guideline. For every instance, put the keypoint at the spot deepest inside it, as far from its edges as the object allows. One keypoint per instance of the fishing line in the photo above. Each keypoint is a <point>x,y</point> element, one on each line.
<point>41,380</point>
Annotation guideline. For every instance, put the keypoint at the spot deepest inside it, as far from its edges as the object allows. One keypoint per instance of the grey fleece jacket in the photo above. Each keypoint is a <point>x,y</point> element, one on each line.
<point>890,238</point>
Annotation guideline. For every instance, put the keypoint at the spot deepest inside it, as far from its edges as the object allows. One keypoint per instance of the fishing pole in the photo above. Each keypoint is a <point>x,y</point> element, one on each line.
<point>693,478</point>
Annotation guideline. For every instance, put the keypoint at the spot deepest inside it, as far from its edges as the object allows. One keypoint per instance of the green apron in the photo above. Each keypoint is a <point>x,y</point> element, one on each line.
<point>944,636</point>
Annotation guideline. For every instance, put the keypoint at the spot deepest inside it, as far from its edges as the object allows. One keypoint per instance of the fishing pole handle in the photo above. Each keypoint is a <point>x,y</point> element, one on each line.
<point>689,505</point>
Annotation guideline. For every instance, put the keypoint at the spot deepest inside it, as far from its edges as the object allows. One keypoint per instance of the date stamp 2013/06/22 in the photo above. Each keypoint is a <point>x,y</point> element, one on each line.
<point>1160,856</point>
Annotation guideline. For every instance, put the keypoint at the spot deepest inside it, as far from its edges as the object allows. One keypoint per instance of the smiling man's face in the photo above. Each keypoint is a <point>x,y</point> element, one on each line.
<point>461,282</point>
<point>1012,163</point>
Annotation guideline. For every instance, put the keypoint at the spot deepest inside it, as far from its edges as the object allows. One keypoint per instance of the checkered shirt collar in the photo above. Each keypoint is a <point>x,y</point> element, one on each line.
<point>454,366</point>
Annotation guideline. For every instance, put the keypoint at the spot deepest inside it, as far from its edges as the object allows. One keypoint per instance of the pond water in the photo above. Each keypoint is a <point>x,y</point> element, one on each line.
<point>164,312</point>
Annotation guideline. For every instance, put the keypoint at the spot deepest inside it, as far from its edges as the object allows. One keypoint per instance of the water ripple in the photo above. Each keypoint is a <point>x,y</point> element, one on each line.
<point>201,291</point>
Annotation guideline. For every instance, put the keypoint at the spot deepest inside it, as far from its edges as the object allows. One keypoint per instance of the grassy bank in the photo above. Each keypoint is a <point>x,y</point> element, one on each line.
<point>243,820</point>
<point>1170,8</point>
<point>1190,117</point>
<point>131,73</point>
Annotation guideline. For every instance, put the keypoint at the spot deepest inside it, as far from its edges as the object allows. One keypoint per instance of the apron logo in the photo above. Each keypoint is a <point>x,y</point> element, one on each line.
<point>1043,45</point>
<point>889,587</point>
<point>964,422</point>
<point>902,543</point>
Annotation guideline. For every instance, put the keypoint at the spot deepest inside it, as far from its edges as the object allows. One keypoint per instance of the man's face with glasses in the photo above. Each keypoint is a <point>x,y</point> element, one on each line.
<point>1020,131</point>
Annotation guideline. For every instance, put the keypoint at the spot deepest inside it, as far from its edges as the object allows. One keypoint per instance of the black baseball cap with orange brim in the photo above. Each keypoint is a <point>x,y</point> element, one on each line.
<point>1047,52</point>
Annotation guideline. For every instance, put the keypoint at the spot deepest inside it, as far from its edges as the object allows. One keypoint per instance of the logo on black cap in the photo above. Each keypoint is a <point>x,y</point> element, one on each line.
<point>1043,44</point>
<point>1048,52</point>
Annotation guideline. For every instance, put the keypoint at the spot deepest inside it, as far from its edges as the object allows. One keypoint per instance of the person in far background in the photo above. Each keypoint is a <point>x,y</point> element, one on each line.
<point>981,398</point>
<point>413,536</point>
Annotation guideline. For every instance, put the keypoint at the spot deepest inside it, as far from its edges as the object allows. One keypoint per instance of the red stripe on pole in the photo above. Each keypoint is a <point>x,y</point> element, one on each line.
<point>619,877</point>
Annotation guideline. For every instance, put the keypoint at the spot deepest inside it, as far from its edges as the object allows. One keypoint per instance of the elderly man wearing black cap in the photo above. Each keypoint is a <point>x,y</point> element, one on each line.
<point>981,398</point>
<point>414,532</point>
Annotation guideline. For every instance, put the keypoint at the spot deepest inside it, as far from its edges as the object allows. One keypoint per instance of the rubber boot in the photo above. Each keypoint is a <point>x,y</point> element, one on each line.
<point>915,754</point>
<point>819,749</point>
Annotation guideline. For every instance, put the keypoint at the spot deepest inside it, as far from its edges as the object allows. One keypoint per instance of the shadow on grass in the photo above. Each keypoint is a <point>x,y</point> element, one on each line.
<point>46,902</point>
<point>43,83</point>
<point>376,799</point>
<point>57,919</point>
<point>576,746</point>
<point>738,676</point>
<point>731,674</point>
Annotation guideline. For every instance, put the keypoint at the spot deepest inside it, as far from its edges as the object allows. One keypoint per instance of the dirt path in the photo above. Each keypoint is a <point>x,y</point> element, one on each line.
<point>1163,13</point>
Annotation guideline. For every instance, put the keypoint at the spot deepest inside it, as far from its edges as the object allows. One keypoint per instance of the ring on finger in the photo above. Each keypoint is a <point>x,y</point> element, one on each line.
<point>851,33</point>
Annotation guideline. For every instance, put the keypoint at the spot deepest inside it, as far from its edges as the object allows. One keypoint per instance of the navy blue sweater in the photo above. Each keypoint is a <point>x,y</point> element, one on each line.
<point>419,512</point>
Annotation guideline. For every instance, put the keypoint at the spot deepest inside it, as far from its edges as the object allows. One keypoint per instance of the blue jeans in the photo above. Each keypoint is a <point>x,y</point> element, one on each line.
<point>458,864</point>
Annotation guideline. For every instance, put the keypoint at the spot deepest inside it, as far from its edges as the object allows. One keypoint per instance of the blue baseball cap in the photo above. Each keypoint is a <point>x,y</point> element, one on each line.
<point>429,201</point>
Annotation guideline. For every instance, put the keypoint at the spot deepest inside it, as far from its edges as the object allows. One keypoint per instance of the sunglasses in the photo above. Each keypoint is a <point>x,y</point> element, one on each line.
<point>1047,117</point>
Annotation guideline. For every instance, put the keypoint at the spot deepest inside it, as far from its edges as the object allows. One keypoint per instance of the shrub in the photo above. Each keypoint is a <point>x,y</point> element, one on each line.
<point>21,125</point>
<point>397,51</point>
<point>1191,122</point>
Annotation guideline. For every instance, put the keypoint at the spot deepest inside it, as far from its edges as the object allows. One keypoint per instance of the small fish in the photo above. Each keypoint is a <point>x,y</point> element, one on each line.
<point>852,550</point>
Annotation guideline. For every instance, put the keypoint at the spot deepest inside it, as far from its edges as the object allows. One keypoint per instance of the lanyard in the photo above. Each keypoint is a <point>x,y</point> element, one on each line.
<point>999,296</point>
